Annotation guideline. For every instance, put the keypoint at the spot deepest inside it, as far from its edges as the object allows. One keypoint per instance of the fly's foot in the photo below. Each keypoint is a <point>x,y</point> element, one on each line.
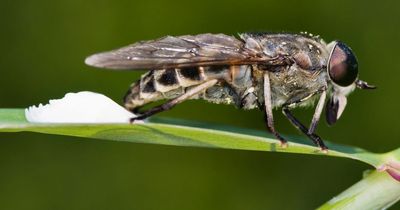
<point>321,145</point>
<point>284,144</point>
<point>324,149</point>
<point>137,119</point>
<point>132,120</point>
<point>318,141</point>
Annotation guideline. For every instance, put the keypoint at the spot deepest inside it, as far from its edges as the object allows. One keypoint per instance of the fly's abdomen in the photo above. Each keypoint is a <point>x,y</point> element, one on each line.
<point>170,83</point>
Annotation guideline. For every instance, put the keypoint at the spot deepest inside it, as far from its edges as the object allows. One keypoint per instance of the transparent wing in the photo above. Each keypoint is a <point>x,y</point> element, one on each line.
<point>179,52</point>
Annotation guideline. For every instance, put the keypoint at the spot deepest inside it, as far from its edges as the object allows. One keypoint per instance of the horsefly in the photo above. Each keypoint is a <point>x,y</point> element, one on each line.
<point>254,70</point>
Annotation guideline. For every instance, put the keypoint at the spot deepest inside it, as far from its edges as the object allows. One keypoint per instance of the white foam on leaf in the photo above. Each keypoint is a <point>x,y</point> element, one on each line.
<point>81,107</point>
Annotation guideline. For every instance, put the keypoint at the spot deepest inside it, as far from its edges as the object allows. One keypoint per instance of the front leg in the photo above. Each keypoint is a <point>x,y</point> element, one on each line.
<point>311,131</point>
<point>317,113</point>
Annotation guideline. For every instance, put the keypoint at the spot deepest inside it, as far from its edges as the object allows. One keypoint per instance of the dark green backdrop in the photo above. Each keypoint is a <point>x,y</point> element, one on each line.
<point>42,47</point>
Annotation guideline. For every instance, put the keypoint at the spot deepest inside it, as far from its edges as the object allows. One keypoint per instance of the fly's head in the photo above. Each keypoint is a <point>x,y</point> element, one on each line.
<point>342,69</point>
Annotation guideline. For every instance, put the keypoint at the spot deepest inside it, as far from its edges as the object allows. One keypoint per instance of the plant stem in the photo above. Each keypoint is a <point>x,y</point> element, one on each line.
<point>376,190</point>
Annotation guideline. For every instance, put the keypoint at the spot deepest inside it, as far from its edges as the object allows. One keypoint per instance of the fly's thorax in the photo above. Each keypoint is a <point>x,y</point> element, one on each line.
<point>307,73</point>
<point>293,83</point>
<point>309,52</point>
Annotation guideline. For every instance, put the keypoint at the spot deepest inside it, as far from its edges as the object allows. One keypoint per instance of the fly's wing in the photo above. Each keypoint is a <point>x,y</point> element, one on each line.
<point>179,52</point>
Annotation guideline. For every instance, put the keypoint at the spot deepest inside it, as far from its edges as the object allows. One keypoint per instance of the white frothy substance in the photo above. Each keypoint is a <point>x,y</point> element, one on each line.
<point>81,107</point>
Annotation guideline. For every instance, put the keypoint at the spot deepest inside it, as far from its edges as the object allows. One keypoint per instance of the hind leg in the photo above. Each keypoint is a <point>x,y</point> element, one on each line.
<point>171,103</point>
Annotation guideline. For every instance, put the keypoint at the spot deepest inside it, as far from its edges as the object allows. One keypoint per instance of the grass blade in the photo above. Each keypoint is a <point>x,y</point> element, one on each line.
<point>182,133</point>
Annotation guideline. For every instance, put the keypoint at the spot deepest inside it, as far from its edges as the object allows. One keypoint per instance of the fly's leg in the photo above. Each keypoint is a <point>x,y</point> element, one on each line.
<point>168,105</point>
<point>314,137</point>
<point>269,119</point>
<point>317,113</point>
<point>311,131</point>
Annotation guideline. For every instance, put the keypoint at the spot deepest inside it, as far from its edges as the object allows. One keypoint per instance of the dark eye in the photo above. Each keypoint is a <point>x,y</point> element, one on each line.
<point>342,65</point>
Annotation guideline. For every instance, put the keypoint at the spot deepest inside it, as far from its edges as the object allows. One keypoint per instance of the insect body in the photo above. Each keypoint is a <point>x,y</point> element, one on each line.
<point>256,70</point>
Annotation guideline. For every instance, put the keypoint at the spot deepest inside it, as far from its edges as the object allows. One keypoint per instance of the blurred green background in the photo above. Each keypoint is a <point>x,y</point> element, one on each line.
<point>44,43</point>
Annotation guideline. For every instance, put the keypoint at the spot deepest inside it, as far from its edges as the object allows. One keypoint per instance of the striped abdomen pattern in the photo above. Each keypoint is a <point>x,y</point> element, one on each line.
<point>234,84</point>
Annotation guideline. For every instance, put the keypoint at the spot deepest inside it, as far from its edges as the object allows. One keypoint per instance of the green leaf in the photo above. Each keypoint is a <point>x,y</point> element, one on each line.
<point>183,133</point>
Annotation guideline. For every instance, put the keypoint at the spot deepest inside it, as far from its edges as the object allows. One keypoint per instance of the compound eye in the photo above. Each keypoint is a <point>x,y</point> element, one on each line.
<point>342,65</point>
